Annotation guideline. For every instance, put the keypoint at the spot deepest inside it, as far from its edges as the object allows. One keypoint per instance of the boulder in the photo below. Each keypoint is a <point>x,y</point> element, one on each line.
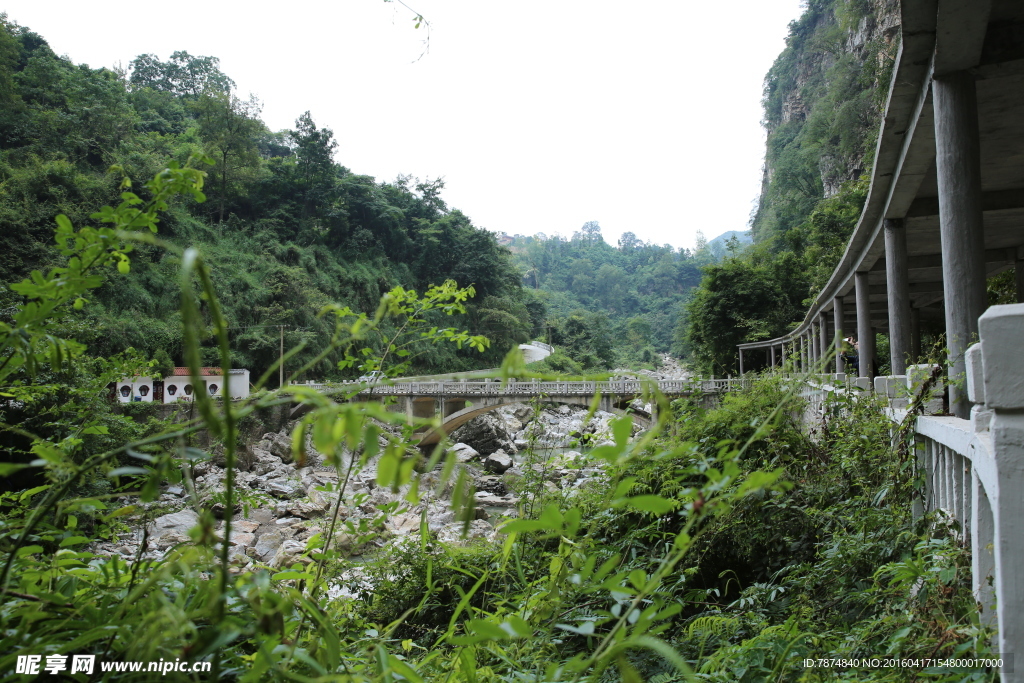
<point>280,487</point>
<point>289,553</point>
<point>242,538</point>
<point>302,508</point>
<point>172,529</point>
<point>523,413</point>
<point>498,462</point>
<point>486,434</point>
<point>279,445</point>
<point>244,526</point>
<point>492,483</point>
<point>268,544</point>
<point>464,452</point>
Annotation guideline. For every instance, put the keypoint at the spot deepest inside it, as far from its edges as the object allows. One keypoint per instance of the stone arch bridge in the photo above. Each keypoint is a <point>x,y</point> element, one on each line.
<point>458,402</point>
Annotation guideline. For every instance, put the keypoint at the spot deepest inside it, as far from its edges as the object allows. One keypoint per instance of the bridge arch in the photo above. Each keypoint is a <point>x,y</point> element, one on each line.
<point>461,417</point>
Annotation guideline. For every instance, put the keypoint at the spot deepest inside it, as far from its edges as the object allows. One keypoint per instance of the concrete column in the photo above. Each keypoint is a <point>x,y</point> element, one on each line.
<point>812,345</point>
<point>898,289</point>
<point>837,321</point>
<point>803,353</point>
<point>823,337</point>
<point>958,167</point>
<point>741,362</point>
<point>819,350</point>
<point>771,354</point>
<point>865,333</point>
<point>1018,272</point>
<point>915,334</point>
<point>1001,329</point>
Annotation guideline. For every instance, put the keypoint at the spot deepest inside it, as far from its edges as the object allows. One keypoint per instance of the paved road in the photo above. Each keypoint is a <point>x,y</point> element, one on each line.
<point>533,353</point>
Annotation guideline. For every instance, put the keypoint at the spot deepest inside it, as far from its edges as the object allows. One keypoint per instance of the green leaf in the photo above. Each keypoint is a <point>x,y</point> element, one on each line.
<point>585,628</point>
<point>31,492</point>
<point>127,470</point>
<point>655,504</point>
<point>73,540</point>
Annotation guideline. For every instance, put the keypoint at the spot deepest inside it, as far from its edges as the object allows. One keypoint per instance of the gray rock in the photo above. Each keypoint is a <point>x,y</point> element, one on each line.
<point>486,434</point>
<point>453,533</point>
<point>268,544</point>
<point>244,526</point>
<point>279,487</point>
<point>241,538</point>
<point>263,461</point>
<point>288,521</point>
<point>492,483</point>
<point>289,553</point>
<point>168,530</point>
<point>490,500</point>
<point>498,462</point>
<point>175,490</point>
<point>464,452</point>
<point>279,445</point>
<point>303,508</point>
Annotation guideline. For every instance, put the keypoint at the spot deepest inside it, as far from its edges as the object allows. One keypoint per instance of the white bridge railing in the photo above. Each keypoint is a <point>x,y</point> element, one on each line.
<point>973,470</point>
<point>537,388</point>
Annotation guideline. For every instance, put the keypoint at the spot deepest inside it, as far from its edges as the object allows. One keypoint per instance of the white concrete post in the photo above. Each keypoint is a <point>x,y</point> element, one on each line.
<point>741,362</point>
<point>1002,329</point>
<point>958,170</point>
<point>771,353</point>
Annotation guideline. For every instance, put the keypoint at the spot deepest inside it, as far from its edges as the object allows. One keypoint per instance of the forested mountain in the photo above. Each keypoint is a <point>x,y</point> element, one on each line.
<point>286,228</point>
<point>608,305</point>
<point>822,101</point>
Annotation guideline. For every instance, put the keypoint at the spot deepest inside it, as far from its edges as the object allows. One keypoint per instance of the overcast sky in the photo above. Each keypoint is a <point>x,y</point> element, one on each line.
<point>539,115</point>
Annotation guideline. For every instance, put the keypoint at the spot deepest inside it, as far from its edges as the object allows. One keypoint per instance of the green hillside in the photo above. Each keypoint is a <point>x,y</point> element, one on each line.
<point>287,228</point>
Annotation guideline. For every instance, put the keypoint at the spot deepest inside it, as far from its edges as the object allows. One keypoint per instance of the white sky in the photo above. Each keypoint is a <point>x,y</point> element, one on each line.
<point>540,115</point>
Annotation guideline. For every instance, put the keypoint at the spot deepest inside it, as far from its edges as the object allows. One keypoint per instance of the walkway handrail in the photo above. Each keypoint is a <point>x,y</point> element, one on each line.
<point>973,469</point>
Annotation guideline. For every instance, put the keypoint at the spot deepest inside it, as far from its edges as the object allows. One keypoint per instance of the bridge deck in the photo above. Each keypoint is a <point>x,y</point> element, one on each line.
<point>531,389</point>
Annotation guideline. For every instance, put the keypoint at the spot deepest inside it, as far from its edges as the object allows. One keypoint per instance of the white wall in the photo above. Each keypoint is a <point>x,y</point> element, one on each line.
<point>140,388</point>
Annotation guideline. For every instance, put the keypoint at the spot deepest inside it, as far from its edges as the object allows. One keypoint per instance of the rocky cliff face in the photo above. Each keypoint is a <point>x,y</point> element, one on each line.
<point>823,99</point>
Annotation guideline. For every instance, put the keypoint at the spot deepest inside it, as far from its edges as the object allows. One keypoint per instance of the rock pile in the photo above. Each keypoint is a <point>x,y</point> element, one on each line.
<point>287,504</point>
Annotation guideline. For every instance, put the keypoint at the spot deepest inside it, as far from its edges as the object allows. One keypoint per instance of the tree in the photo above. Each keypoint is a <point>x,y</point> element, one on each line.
<point>629,241</point>
<point>182,75</point>
<point>230,127</point>
<point>314,148</point>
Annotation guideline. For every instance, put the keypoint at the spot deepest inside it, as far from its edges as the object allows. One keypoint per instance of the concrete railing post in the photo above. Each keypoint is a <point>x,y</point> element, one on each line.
<point>1001,329</point>
<point>982,530</point>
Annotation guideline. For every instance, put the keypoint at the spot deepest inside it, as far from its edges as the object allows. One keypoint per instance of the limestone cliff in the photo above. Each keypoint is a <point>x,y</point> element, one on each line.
<point>823,99</point>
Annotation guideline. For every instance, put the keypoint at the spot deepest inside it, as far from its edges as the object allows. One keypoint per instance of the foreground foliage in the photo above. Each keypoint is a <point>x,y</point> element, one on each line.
<point>723,545</point>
